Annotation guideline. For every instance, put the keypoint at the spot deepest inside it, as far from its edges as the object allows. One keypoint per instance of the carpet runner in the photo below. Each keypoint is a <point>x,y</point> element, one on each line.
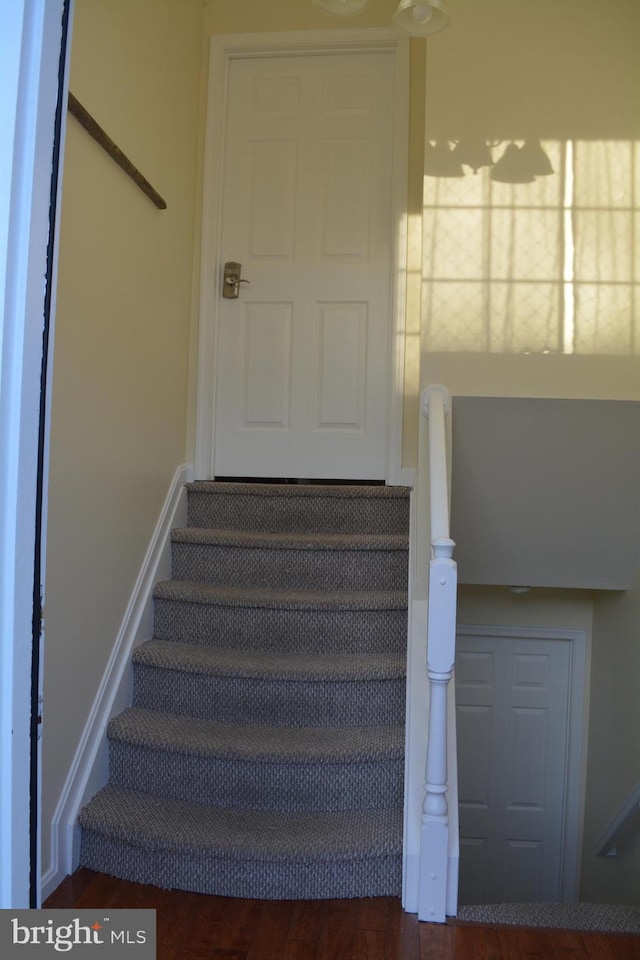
<point>603,917</point>
<point>263,753</point>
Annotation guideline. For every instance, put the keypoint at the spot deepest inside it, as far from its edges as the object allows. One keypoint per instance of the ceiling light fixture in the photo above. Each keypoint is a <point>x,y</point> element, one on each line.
<point>421,18</point>
<point>473,152</point>
<point>536,158</point>
<point>512,167</point>
<point>342,8</point>
<point>518,164</point>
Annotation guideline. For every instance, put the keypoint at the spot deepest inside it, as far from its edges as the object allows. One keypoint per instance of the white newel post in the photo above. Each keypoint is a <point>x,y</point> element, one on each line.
<point>441,638</point>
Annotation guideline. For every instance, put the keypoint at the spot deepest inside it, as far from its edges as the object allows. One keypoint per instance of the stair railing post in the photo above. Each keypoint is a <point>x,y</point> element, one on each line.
<point>441,637</point>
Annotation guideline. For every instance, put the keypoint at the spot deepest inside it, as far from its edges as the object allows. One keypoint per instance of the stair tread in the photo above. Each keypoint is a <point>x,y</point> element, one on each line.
<point>154,823</point>
<point>198,659</point>
<point>279,597</point>
<point>264,756</point>
<point>300,490</point>
<point>267,540</point>
<point>258,744</point>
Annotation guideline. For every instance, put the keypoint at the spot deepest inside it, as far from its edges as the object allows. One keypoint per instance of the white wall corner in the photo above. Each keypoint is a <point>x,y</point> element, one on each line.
<point>32,42</point>
<point>89,768</point>
<point>405,477</point>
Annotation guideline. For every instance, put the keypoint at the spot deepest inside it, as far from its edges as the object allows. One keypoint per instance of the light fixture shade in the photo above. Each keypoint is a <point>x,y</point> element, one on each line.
<point>473,152</point>
<point>537,160</point>
<point>421,18</point>
<point>342,8</point>
<point>511,168</point>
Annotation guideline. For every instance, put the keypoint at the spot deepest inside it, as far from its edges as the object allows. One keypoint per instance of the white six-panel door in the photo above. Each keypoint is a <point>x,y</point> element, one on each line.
<point>302,370</point>
<point>512,698</point>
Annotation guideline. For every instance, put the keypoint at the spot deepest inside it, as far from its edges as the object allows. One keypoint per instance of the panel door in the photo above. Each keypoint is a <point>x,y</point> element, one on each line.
<point>303,354</point>
<point>512,699</point>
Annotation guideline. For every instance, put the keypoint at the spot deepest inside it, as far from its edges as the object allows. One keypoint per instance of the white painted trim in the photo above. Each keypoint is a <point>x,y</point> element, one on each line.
<point>31,32</point>
<point>576,770</point>
<point>88,771</point>
<point>606,844</point>
<point>417,695</point>
<point>224,49</point>
<point>453,863</point>
<point>407,477</point>
<point>37,868</point>
<point>417,712</point>
<point>394,472</point>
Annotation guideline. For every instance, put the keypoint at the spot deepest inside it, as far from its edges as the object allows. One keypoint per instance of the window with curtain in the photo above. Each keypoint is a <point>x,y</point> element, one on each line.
<point>549,266</point>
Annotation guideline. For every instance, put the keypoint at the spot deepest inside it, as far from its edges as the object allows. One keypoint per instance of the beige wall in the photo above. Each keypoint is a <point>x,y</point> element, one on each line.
<point>121,342</point>
<point>549,609</point>
<point>246,16</point>
<point>125,290</point>
<point>569,71</point>
<point>614,747</point>
<point>555,71</point>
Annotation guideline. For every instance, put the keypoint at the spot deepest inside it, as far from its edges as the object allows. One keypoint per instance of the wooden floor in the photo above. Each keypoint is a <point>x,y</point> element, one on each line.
<point>191,926</point>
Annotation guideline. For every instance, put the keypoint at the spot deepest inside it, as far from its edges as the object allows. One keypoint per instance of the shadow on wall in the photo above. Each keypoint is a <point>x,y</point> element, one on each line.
<point>536,253</point>
<point>523,257</point>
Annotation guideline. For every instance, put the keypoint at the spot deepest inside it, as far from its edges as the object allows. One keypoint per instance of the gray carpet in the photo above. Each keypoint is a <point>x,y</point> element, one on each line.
<point>263,752</point>
<point>610,918</point>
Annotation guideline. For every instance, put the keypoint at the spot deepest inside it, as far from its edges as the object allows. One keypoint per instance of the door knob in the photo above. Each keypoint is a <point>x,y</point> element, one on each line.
<point>232,280</point>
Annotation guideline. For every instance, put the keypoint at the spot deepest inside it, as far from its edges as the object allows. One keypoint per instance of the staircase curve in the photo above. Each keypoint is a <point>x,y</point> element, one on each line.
<point>263,753</point>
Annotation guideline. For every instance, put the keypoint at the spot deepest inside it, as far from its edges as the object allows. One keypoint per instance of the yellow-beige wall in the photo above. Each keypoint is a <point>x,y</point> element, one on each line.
<point>510,69</point>
<point>121,343</point>
<point>127,312</point>
<point>568,71</point>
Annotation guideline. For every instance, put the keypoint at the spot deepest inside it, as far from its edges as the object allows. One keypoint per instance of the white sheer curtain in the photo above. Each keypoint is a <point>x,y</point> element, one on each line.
<point>607,267</point>
<point>544,267</point>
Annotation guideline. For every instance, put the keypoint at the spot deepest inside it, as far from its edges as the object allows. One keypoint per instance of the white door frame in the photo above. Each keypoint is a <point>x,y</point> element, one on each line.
<point>223,50</point>
<point>577,729</point>
<point>31,32</point>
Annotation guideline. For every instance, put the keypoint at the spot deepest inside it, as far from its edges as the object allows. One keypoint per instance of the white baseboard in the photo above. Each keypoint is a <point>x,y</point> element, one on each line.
<point>89,769</point>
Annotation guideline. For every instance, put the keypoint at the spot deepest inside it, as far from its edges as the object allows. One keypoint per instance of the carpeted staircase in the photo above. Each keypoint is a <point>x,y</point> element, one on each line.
<point>263,754</point>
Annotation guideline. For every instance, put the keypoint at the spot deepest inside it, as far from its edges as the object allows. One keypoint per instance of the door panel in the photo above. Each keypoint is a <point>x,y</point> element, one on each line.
<point>302,381</point>
<point>265,365</point>
<point>512,710</point>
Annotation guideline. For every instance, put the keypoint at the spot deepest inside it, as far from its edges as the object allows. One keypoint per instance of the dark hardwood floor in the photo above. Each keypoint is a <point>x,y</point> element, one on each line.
<point>191,926</point>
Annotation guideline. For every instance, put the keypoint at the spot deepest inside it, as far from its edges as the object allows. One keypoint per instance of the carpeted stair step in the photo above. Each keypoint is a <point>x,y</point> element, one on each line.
<point>253,618</point>
<point>255,767</point>
<point>263,755</point>
<point>269,688</point>
<point>237,853</point>
<point>298,508</point>
<point>313,560</point>
<point>610,917</point>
